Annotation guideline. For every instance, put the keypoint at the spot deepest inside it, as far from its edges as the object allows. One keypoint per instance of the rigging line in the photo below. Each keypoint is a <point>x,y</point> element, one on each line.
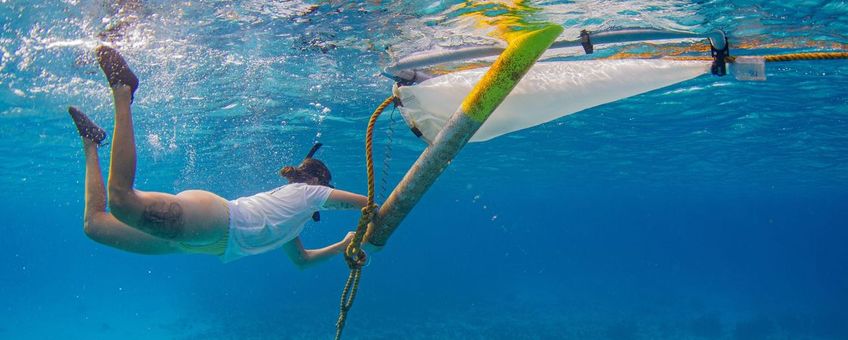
<point>387,156</point>
<point>354,254</point>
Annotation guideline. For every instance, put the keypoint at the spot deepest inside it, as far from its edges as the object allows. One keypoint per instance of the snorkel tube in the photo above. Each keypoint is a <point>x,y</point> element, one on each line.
<point>313,150</point>
<point>316,216</point>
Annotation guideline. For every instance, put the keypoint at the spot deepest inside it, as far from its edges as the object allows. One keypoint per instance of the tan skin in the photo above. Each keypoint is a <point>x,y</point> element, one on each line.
<point>154,222</point>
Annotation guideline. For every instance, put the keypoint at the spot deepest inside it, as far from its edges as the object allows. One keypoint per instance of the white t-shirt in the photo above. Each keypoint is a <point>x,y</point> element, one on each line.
<point>267,220</point>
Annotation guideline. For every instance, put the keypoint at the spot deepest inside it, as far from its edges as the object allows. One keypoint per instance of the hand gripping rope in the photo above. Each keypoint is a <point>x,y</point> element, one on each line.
<point>354,255</point>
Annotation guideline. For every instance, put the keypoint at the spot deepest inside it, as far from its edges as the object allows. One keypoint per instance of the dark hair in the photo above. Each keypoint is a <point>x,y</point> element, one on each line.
<point>310,171</point>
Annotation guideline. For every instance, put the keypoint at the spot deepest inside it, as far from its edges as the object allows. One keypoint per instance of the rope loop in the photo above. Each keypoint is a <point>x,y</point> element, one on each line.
<point>357,260</point>
<point>354,255</point>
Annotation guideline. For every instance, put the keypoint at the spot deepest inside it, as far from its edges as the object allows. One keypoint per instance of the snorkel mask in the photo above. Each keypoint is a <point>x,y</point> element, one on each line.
<point>309,170</point>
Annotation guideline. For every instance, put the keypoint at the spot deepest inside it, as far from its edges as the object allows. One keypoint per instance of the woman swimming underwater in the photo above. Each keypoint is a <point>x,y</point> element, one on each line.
<point>196,221</point>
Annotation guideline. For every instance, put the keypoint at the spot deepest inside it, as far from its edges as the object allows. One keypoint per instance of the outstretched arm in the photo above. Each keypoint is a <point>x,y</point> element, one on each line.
<point>304,258</point>
<point>340,199</point>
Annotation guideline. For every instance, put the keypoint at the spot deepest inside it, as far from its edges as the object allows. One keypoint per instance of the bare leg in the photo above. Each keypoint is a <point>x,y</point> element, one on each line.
<point>101,226</point>
<point>122,169</point>
<point>192,216</point>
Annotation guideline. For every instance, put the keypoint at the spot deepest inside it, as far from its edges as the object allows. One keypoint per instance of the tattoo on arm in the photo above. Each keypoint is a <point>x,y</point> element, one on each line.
<point>339,205</point>
<point>163,219</point>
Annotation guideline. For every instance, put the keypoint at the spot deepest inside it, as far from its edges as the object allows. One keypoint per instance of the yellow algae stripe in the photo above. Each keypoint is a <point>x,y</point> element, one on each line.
<point>514,62</point>
<point>505,19</point>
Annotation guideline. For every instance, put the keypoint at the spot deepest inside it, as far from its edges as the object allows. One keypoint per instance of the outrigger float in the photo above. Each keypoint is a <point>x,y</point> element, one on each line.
<point>448,111</point>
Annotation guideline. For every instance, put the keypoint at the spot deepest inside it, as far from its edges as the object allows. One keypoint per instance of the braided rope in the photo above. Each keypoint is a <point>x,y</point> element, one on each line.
<point>781,57</point>
<point>348,294</point>
<point>807,56</point>
<point>354,256</point>
<point>354,247</point>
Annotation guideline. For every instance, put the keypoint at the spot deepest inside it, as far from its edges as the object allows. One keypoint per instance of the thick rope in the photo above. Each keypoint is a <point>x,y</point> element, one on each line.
<point>782,57</point>
<point>806,56</point>
<point>354,256</point>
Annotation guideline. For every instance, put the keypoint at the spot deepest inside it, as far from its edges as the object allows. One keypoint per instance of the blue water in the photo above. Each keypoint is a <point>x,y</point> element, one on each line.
<point>711,209</point>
